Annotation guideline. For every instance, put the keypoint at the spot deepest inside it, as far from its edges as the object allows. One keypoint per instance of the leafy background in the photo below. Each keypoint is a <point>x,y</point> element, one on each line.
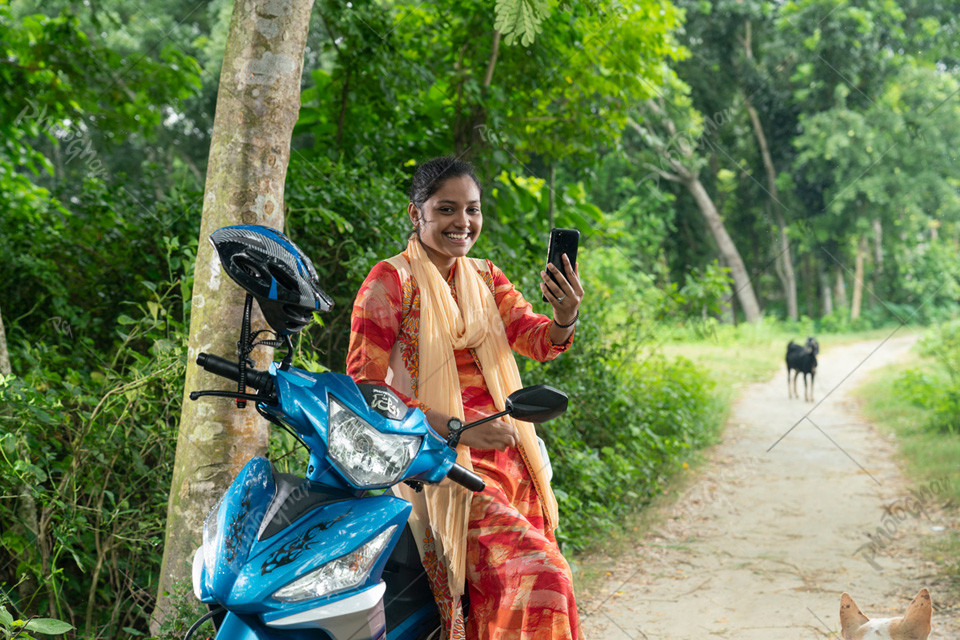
<point>106,117</point>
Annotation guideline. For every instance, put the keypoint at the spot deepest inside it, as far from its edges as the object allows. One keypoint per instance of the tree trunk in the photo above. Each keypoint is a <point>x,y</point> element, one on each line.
<point>810,283</point>
<point>877,255</point>
<point>4,354</point>
<point>826,293</point>
<point>841,288</point>
<point>741,279</point>
<point>470,131</point>
<point>257,106</point>
<point>855,306</point>
<point>784,255</point>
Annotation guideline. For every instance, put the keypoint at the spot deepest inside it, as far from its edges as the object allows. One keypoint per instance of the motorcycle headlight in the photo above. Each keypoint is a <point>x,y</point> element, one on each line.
<point>339,574</point>
<point>210,538</point>
<point>368,457</point>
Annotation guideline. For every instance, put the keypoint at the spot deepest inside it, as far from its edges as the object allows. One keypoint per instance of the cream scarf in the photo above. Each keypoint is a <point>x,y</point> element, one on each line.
<point>445,327</point>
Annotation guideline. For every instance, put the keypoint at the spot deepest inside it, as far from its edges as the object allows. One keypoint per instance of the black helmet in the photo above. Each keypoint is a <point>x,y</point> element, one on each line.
<point>268,265</point>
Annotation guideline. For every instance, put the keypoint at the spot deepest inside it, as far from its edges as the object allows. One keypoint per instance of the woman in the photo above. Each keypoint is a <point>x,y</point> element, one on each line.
<point>439,328</point>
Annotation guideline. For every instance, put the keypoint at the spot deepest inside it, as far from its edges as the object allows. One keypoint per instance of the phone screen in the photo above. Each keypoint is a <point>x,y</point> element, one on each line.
<point>562,241</point>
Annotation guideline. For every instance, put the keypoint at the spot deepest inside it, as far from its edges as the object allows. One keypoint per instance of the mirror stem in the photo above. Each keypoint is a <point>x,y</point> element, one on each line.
<point>487,419</point>
<point>453,438</point>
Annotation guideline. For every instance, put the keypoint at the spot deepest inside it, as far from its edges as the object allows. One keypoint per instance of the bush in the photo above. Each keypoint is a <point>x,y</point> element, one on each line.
<point>88,439</point>
<point>940,394</point>
<point>632,421</point>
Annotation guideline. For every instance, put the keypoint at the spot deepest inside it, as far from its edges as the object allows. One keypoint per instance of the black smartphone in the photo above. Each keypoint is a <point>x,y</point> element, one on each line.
<point>562,241</point>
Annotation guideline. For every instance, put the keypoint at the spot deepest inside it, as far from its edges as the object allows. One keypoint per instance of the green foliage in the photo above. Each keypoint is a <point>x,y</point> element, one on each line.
<point>938,390</point>
<point>88,437</point>
<point>634,419</point>
<point>520,19</point>
<point>704,291</point>
<point>14,628</point>
<point>345,218</point>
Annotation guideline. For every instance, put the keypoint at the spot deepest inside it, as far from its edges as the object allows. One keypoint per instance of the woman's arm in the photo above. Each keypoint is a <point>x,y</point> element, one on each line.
<point>531,334</point>
<point>374,328</point>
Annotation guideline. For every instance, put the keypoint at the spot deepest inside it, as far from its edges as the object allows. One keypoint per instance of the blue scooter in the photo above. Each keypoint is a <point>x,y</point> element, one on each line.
<point>328,556</point>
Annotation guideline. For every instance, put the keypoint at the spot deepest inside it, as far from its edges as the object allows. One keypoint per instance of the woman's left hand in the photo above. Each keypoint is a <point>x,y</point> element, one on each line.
<point>565,294</point>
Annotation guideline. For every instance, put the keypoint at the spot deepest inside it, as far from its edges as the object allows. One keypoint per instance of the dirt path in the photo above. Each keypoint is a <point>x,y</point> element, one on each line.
<point>761,546</point>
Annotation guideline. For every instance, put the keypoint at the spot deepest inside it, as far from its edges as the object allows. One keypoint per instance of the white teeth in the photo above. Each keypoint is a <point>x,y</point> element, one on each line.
<point>458,236</point>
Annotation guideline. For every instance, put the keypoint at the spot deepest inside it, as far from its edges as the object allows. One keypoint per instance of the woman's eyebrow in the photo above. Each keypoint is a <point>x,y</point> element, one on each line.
<point>455,202</point>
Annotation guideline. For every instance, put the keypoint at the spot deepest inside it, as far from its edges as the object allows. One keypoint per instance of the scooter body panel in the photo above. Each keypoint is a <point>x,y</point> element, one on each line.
<point>236,627</point>
<point>248,568</point>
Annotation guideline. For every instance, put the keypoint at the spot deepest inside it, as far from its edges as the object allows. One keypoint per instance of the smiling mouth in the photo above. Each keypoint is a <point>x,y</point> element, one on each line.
<point>457,237</point>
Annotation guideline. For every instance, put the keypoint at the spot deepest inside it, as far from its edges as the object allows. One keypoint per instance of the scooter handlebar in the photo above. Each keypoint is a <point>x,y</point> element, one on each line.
<point>466,478</point>
<point>260,380</point>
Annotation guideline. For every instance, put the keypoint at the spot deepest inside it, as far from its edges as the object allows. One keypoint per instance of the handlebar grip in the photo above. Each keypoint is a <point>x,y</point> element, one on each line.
<point>216,365</point>
<point>466,478</point>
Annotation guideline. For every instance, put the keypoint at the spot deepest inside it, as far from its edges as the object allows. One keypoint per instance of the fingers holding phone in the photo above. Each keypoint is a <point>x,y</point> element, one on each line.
<point>562,289</point>
<point>561,285</point>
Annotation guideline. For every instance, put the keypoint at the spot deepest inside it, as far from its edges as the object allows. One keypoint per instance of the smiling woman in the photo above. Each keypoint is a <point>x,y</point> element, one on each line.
<point>441,329</point>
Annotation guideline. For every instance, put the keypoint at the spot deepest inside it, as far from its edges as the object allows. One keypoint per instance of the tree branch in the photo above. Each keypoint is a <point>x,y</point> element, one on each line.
<point>488,76</point>
<point>672,177</point>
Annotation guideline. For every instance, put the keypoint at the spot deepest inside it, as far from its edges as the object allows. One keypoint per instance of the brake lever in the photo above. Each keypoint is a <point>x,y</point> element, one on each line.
<point>271,400</point>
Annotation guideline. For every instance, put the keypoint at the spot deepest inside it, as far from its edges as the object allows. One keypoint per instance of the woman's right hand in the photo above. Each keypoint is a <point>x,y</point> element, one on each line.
<point>495,434</point>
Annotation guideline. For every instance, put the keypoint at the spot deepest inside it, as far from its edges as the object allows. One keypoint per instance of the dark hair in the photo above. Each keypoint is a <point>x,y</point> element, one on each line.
<point>433,173</point>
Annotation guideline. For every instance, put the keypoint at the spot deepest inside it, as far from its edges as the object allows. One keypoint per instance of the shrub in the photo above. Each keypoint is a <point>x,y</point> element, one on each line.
<point>87,447</point>
<point>634,418</point>
<point>943,396</point>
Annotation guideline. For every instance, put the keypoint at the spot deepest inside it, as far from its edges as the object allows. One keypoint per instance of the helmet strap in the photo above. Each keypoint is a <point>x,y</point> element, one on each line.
<point>246,344</point>
<point>244,347</point>
<point>285,364</point>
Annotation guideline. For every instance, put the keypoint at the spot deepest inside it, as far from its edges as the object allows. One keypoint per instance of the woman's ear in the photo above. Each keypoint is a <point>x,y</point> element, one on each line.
<point>414,214</point>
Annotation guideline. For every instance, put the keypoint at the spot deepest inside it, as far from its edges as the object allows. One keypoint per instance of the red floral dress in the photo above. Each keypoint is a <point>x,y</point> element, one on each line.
<point>519,584</point>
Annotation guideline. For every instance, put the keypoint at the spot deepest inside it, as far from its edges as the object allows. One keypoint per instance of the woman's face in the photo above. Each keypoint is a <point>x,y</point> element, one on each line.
<point>450,221</point>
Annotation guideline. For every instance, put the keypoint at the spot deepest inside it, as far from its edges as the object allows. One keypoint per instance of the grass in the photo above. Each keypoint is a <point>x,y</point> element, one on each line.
<point>929,458</point>
<point>926,456</point>
<point>738,356</point>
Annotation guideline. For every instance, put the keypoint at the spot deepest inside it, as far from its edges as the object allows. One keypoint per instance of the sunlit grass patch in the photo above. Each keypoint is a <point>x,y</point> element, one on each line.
<point>927,455</point>
<point>894,400</point>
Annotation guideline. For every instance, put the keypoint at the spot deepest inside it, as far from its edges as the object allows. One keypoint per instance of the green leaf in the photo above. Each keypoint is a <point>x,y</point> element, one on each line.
<point>49,626</point>
<point>520,19</point>
<point>5,618</point>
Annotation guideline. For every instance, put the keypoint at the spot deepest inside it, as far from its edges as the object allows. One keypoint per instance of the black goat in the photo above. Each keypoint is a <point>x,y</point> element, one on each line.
<point>802,360</point>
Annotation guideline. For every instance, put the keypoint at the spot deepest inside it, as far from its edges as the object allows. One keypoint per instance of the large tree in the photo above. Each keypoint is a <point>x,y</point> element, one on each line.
<point>257,107</point>
<point>669,128</point>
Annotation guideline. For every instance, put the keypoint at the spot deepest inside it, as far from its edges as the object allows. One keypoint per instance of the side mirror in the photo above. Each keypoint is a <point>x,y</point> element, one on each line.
<point>538,403</point>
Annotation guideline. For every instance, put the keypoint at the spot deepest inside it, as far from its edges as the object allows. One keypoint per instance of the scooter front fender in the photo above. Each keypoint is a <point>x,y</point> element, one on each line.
<point>235,627</point>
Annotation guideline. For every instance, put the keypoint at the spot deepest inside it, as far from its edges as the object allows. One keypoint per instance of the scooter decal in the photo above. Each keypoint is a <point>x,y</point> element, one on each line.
<point>232,543</point>
<point>289,552</point>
